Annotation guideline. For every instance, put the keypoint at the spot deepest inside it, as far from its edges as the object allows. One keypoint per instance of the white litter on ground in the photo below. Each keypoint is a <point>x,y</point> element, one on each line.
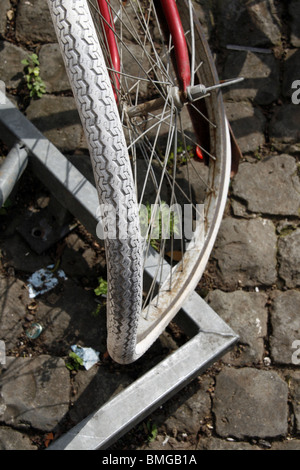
<point>88,355</point>
<point>44,280</point>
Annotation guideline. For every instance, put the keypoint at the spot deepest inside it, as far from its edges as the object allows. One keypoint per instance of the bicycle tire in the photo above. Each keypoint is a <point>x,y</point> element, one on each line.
<point>130,332</point>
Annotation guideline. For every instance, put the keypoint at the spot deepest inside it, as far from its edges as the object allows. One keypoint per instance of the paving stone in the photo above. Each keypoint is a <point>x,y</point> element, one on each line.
<point>34,392</point>
<point>289,258</point>
<point>18,255</point>
<point>34,22</point>
<point>5,6</point>
<point>82,162</point>
<point>192,176</point>
<point>66,314</point>
<point>188,416</point>
<point>253,24</point>
<point>286,226</point>
<point>250,403</point>
<point>294,11</point>
<point>294,384</point>
<point>270,186</point>
<point>291,444</point>
<point>52,69</point>
<point>245,252</point>
<point>165,443</point>
<point>213,443</point>
<point>13,302</point>
<point>284,127</point>
<point>93,388</point>
<point>132,57</point>
<point>261,74</point>
<point>57,118</point>
<point>240,209</point>
<point>285,326</point>
<point>11,69</point>
<point>14,440</point>
<point>205,14</point>
<point>248,124</point>
<point>79,260</point>
<point>247,315</point>
<point>291,68</point>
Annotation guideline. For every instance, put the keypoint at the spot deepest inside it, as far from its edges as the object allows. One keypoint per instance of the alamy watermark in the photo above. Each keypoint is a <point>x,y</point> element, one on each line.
<point>2,92</point>
<point>156,222</point>
<point>2,353</point>
<point>296,93</point>
<point>296,353</point>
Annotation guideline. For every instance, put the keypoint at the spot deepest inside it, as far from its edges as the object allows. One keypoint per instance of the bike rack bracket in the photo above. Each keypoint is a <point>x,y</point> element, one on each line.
<point>210,336</point>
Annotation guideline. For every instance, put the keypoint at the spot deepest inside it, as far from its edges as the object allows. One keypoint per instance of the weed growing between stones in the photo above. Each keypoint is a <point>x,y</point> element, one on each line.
<point>34,82</point>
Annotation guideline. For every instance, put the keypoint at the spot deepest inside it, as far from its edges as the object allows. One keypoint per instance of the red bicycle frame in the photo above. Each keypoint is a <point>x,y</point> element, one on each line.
<point>181,51</point>
<point>109,33</point>
<point>173,21</point>
<point>172,17</point>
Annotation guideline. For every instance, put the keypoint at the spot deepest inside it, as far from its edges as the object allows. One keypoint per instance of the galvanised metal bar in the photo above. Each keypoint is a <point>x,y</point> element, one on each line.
<point>128,408</point>
<point>211,336</point>
<point>64,181</point>
<point>11,170</point>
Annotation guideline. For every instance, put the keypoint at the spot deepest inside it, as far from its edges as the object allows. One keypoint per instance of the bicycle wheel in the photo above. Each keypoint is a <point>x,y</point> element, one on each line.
<point>144,138</point>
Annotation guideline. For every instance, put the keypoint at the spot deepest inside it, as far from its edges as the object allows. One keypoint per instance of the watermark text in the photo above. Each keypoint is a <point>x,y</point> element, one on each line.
<point>156,222</point>
<point>2,92</point>
<point>296,353</point>
<point>2,353</point>
<point>296,93</point>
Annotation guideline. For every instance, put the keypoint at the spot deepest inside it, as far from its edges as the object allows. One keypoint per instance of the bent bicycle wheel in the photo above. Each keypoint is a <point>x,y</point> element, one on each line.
<point>161,157</point>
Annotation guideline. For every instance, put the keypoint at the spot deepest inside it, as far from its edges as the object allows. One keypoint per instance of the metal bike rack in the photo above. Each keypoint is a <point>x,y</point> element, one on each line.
<point>210,336</point>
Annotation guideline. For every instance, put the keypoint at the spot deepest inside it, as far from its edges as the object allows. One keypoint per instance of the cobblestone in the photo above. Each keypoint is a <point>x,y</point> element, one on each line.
<point>289,258</point>
<point>270,186</point>
<point>12,440</point>
<point>290,67</point>
<point>247,314</point>
<point>284,127</point>
<point>10,66</point>
<point>3,19</point>
<point>58,119</point>
<point>285,326</point>
<point>33,22</point>
<point>250,403</point>
<point>34,392</point>
<point>245,252</point>
<point>52,69</point>
<point>294,11</point>
<point>261,73</point>
<point>248,124</point>
<point>255,24</point>
<point>294,380</point>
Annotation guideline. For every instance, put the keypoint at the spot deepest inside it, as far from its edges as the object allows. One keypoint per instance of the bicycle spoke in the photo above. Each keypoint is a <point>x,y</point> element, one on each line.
<point>202,115</point>
<point>127,75</point>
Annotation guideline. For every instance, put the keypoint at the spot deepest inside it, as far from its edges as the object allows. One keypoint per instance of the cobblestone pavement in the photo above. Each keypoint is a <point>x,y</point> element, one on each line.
<point>250,398</point>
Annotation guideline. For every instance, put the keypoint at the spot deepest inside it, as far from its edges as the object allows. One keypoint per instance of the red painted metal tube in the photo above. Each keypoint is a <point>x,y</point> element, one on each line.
<point>109,32</point>
<point>181,51</point>
<point>176,30</point>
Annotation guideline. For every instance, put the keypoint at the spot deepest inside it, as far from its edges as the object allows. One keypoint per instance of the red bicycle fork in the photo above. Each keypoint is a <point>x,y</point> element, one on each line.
<point>171,16</point>
<point>110,35</point>
<point>173,20</point>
